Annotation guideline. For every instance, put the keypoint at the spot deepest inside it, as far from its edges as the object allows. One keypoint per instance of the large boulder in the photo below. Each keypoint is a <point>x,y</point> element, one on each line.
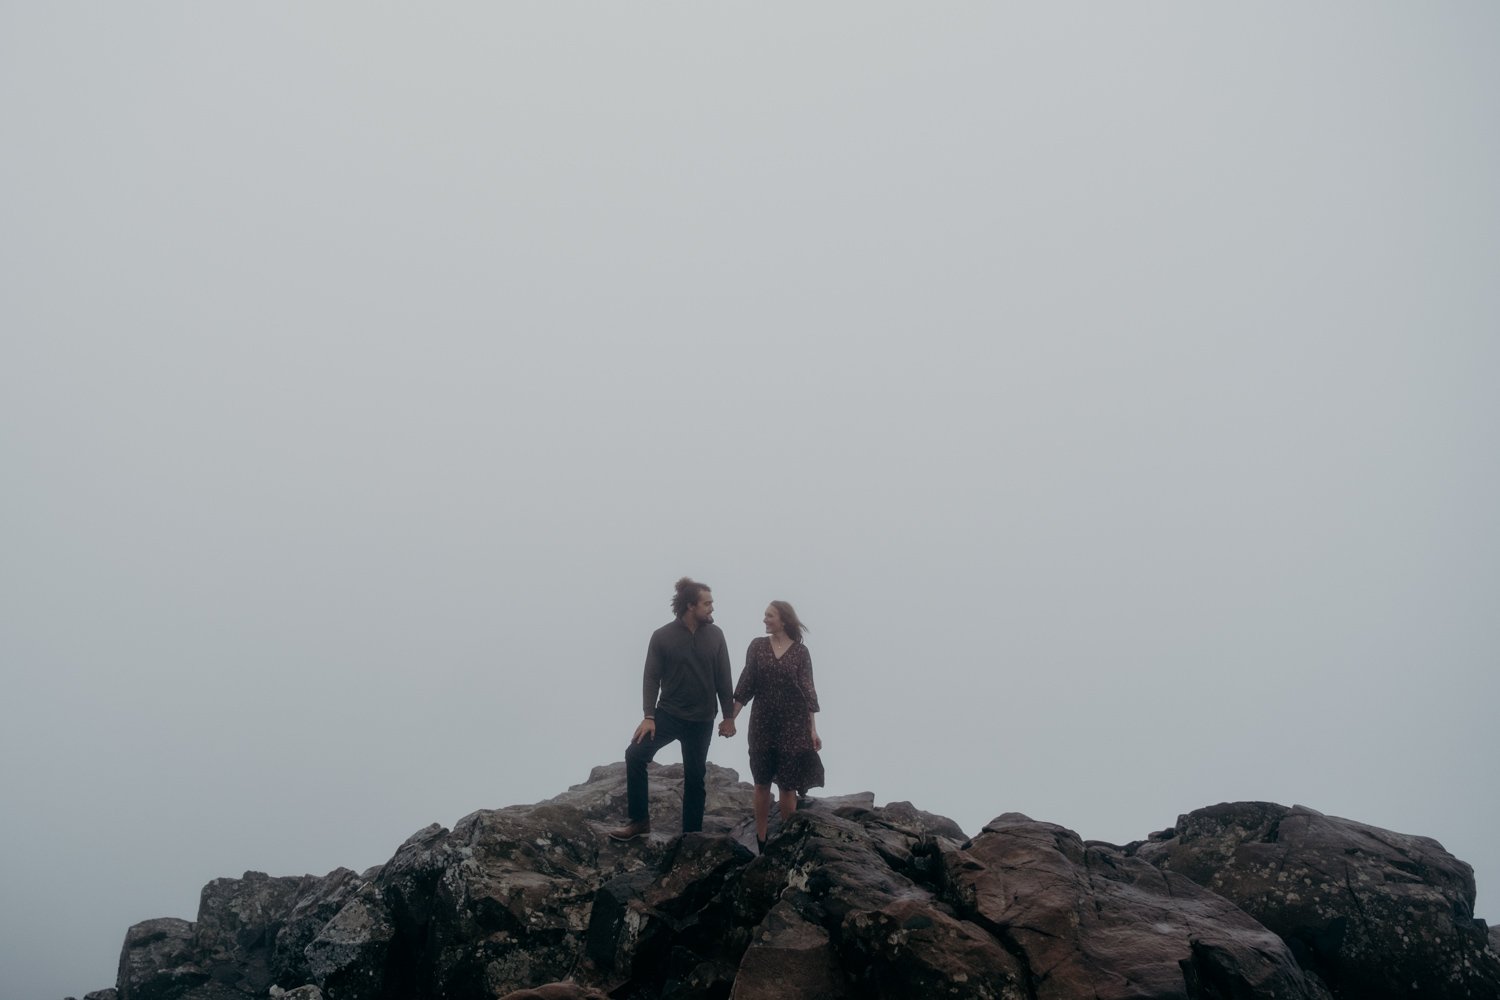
<point>1087,920</point>
<point>669,929</point>
<point>866,877</point>
<point>314,907</point>
<point>253,933</point>
<point>350,958</point>
<point>159,961</point>
<point>238,921</point>
<point>1376,914</point>
<point>503,901</point>
<point>842,903</point>
<point>789,958</point>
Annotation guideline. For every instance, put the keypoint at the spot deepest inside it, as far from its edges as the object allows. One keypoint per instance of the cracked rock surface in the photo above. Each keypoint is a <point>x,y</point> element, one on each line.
<point>1373,913</point>
<point>1237,902</point>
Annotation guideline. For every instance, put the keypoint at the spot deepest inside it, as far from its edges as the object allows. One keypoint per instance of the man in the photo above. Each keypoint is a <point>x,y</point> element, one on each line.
<point>687,672</point>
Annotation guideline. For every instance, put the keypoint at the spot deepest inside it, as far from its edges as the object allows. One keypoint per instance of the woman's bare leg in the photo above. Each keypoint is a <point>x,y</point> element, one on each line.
<point>762,810</point>
<point>788,803</point>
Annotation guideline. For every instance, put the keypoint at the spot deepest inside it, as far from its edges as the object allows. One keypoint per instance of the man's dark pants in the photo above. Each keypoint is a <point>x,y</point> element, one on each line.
<point>695,737</point>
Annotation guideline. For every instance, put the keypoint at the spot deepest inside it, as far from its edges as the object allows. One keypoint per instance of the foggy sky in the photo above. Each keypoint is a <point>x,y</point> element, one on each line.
<point>1111,389</point>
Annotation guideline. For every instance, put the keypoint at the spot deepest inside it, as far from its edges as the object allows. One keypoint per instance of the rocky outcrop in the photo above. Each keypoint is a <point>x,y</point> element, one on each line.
<point>1088,920</point>
<point>1373,913</point>
<point>159,961</point>
<point>848,900</point>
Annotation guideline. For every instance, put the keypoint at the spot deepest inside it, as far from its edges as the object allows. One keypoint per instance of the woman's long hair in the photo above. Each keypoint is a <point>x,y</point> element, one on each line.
<point>790,623</point>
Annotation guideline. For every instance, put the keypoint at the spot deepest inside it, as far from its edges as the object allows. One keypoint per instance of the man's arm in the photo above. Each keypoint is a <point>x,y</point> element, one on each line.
<point>723,682</point>
<point>650,690</point>
<point>651,679</point>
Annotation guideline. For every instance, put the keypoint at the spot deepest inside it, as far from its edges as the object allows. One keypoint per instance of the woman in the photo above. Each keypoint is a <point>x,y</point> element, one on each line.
<point>784,740</point>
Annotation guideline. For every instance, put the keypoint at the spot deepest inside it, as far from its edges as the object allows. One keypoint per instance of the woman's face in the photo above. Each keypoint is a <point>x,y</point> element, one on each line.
<point>772,619</point>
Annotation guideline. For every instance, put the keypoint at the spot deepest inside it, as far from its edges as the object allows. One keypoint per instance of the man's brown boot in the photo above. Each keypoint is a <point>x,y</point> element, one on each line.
<point>631,830</point>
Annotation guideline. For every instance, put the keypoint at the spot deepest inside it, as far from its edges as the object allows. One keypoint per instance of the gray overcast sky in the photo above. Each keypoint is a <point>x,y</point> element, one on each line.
<point>1112,389</point>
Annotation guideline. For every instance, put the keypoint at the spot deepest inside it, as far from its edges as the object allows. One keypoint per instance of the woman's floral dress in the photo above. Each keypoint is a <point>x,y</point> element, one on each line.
<point>781,688</point>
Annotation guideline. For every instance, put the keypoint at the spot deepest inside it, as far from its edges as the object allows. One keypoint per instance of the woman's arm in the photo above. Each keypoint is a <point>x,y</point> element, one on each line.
<point>745,689</point>
<point>805,677</point>
<point>810,692</point>
<point>743,692</point>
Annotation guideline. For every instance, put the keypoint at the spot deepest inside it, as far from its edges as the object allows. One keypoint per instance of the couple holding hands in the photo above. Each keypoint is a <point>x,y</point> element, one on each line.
<point>687,680</point>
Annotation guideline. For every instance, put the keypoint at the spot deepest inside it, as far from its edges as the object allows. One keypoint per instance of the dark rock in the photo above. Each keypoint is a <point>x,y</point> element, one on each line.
<point>409,880</point>
<point>847,900</point>
<point>238,920</point>
<point>350,958</point>
<point>158,961</point>
<point>251,932</point>
<point>1092,921</point>
<point>317,902</point>
<point>557,991</point>
<point>789,958</point>
<point>674,921</point>
<point>888,934</point>
<point>109,993</point>
<point>1374,913</point>
<point>300,993</point>
<point>615,922</point>
<point>910,948</point>
<point>906,816</point>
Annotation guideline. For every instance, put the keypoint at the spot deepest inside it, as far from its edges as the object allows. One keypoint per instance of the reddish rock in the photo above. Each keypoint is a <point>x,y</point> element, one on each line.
<point>1091,921</point>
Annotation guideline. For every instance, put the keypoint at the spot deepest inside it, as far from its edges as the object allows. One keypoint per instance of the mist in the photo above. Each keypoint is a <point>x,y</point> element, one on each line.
<point>1111,389</point>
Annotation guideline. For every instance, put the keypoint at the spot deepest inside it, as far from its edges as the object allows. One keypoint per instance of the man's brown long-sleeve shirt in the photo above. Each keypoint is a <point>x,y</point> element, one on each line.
<point>686,671</point>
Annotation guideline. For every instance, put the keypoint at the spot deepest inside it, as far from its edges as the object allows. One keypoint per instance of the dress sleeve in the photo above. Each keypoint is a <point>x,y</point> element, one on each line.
<point>745,689</point>
<point>805,679</point>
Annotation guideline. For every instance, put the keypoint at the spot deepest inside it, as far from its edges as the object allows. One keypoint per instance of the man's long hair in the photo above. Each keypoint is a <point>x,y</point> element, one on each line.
<point>688,592</point>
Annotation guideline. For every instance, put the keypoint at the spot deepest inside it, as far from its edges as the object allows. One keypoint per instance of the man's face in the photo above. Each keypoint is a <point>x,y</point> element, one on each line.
<point>703,611</point>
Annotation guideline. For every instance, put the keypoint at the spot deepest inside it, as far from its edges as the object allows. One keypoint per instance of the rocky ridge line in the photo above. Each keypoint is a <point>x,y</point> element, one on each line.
<point>1239,901</point>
